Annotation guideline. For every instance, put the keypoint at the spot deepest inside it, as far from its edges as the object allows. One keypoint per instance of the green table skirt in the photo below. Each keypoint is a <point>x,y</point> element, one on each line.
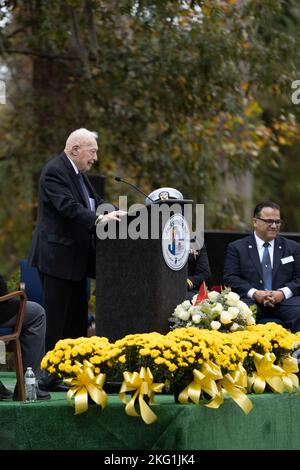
<point>273,423</point>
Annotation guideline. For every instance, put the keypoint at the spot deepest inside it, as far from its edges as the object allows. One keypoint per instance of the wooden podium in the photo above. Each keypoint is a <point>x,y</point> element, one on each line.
<point>136,291</point>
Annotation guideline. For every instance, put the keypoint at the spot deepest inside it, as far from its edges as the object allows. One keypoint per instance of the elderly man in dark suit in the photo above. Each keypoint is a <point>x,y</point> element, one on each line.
<point>63,242</point>
<point>32,337</point>
<point>265,268</point>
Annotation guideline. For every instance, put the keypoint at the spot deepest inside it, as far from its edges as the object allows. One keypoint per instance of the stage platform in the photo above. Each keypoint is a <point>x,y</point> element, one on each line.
<point>273,423</point>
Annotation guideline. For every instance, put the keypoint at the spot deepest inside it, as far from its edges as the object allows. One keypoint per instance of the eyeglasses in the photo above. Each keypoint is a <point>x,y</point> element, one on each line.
<point>270,222</point>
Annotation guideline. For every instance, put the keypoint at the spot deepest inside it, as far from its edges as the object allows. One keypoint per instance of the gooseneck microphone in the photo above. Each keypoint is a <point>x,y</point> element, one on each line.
<point>120,180</point>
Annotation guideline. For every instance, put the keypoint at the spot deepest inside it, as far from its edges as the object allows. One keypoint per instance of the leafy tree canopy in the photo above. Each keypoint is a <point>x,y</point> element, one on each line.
<point>190,94</point>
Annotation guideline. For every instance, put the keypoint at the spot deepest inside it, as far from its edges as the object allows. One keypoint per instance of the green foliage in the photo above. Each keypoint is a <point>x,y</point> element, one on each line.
<point>13,282</point>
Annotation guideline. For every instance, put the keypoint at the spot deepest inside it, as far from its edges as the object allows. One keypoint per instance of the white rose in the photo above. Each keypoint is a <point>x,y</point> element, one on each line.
<point>234,327</point>
<point>213,295</point>
<point>196,318</point>
<point>215,325</point>
<point>186,304</point>
<point>225,317</point>
<point>195,309</point>
<point>243,307</point>
<point>250,321</point>
<point>233,312</point>
<point>232,299</point>
<point>246,314</point>
<point>217,308</point>
<point>181,313</point>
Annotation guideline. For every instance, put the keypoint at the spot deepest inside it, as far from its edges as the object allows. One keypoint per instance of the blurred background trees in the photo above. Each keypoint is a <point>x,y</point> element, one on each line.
<point>190,94</point>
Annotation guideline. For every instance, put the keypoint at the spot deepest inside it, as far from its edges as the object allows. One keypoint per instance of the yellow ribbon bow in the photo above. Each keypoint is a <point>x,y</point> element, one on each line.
<point>203,380</point>
<point>290,380</point>
<point>142,383</point>
<point>86,383</point>
<point>266,373</point>
<point>234,384</point>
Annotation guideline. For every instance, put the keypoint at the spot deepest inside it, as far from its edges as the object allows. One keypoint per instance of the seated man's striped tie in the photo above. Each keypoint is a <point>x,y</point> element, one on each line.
<point>266,267</point>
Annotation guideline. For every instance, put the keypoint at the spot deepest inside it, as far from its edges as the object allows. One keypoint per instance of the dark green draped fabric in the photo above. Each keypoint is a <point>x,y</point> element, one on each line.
<point>273,423</point>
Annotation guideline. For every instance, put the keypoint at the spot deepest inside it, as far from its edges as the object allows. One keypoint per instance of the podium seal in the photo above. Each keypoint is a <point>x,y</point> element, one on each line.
<point>176,242</point>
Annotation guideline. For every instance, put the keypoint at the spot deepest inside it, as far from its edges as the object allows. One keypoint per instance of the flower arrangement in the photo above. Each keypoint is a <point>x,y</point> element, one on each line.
<point>223,311</point>
<point>143,359</point>
<point>151,350</point>
<point>65,359</point>
<point>197,364</point>
<point>211,364</point>
<point>83,363</point>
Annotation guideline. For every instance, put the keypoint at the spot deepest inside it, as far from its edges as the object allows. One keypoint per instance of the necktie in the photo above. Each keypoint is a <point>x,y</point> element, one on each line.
<point>84,190</point>
<point>266,267</point>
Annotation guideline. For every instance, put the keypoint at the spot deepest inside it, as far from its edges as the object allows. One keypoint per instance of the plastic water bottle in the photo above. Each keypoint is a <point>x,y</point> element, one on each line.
<point>30,385</point>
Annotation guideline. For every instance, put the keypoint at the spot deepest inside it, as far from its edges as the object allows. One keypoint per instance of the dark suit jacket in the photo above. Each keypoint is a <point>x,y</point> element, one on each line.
<point>198,268</point>
<point>63,242</point>
<point>242,270</point>
<point>8,308</point>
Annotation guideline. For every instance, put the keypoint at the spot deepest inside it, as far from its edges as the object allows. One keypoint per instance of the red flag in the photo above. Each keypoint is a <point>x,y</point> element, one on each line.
<point>202,295</point>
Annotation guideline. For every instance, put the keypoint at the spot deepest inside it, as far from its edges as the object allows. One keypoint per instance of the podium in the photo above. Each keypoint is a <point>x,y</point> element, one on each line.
<point>136,291</point>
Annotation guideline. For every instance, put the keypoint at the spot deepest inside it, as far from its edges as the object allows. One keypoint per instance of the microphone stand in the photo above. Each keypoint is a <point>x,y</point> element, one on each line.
<point>120,180</point>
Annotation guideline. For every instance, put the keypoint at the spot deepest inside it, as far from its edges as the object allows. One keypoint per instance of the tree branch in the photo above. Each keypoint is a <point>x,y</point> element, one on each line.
<point>13,33</point>
<point>79,42</point>
<point>44,55</point>
<point>91,28</point>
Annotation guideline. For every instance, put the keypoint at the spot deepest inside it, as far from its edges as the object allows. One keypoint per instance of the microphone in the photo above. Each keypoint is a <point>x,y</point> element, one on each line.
<point>120,180</point>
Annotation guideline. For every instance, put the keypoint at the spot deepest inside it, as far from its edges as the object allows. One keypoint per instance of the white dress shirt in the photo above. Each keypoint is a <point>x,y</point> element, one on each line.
<point>91,199</point>
<point>260,248</point>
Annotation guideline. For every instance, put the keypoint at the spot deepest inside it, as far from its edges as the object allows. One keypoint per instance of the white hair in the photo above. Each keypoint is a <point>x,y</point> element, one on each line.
<point>80,136</point>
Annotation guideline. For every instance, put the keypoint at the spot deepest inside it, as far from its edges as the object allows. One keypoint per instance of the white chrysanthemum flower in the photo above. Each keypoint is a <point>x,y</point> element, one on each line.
<point>250,321</point>
<point>234,311</point>
<point>225,317</point>
<point>215,325</point>
<point>213,295</point>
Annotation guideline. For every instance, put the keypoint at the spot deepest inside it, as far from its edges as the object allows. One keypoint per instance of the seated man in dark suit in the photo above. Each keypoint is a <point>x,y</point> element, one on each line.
<point>32,337</point>
<point>265,268</point>
<point>198,271</point>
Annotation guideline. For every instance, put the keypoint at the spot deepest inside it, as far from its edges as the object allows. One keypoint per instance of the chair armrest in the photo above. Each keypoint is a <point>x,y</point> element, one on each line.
<point>20,314</point>
<point>11,295</point>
